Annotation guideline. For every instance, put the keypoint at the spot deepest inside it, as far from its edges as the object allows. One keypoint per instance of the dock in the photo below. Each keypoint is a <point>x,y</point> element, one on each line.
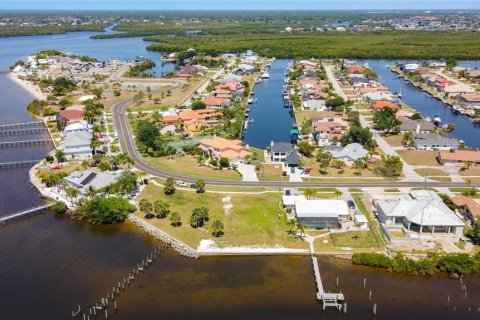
<point>25,143</point>
<point>328,299</point>
<point>18,164</point>
<point>31,124</point>
<point>25,213</point>
<point>16,132</point>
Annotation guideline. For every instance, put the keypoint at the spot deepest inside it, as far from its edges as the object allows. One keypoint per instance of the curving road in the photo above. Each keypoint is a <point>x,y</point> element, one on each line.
<point>127,145</point>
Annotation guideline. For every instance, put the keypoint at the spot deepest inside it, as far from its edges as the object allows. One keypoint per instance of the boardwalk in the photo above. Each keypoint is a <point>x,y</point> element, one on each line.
<point>32,124</point>
<point>24,213</point>
<point>25,143</point>
<point>18,164</point>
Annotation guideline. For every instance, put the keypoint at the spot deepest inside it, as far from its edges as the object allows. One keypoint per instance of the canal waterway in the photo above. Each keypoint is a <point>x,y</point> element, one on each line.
<point>271,120</point>
<point>424,103</point>
<point>49,264</point>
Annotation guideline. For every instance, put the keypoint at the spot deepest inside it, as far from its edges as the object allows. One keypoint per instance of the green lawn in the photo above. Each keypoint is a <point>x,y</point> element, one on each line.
<point>253,220</point>
<point>259,154</point>
<point>419,157</point>
<point>375,229</point>
<point>271,172</point>
<point>354,239</point>
<point>189,166</point>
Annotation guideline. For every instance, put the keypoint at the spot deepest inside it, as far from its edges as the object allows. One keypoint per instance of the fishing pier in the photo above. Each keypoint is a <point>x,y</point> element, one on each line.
<point>25,213</point>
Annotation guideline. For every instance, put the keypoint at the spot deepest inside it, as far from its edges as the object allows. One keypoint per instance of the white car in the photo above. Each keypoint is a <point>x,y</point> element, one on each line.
<point>181,183</point>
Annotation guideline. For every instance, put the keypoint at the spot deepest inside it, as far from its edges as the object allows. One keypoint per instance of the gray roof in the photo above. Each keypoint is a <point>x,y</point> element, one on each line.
<point>77,138</point>
<point>82,180</point>
<point>435,139</point>
<point>411,125</point>
<point>293,158</point>
<point>352,152</point>
<point>285,147</point>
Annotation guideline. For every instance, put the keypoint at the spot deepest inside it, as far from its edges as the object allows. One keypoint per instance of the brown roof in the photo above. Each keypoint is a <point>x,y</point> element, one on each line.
<point>71,114</point>
<point>469,203</point>
<point>377,105</point>
<point>472,97</point>
<point>460,155</point>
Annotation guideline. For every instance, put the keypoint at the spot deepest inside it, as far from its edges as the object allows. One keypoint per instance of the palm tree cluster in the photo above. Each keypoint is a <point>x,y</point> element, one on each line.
<point>199,217</point>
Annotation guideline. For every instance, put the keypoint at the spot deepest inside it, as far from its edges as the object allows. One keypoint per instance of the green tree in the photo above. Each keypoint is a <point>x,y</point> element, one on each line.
<point>386,120</point>
<point>305,148</point>
<point>106,210</point>
<point>104,166</point>
<point>390,166</point>
<point>217,228</point>
<point>147,134</point>
<point>200,184</point>
<point>224,162</point>
<point>162,209</point>
<point>97,92</point>
<point>198,105</point>
<point>357,134</point>
<point>407,138</point>
<point>176,219</point>
<point>64,103</point>
<point>310,193</point>
<point>324,158</point>
<point>199,217</point>
<point>169,187</point>
<point>60,155</point>
<point>92,110</point>
<point>306,127</point>
<point>146,206</point>
<point>338,194</point>
<point>59,207</point>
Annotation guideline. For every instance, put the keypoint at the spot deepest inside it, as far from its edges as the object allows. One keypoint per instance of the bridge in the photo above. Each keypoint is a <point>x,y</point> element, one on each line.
<point>16,132</point>
<point>31,124</point>
<point>18,164</point>
<point>25,213</point>
<point>25,143</point>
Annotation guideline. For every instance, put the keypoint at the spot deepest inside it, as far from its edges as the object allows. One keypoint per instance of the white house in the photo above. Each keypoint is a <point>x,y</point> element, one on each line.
<point>321,213</point>
<point>78,144</point>
<point>351,152</point>
<point>84,180</point>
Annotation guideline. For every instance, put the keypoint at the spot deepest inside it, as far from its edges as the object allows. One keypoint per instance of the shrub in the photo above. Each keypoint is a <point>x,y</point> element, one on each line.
<point>60,207</point>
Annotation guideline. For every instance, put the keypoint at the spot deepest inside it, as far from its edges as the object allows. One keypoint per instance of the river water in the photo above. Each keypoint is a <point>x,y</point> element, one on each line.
<point>50,264</point>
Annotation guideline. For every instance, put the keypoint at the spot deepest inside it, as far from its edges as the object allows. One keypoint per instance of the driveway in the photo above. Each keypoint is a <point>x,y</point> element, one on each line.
<point>247,171</point>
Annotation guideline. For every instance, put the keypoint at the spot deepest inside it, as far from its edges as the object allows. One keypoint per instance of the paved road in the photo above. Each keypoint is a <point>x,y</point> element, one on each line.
<point>128,145</point>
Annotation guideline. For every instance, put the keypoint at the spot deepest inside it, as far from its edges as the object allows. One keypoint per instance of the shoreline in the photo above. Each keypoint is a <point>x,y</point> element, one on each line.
<point>33,90</point>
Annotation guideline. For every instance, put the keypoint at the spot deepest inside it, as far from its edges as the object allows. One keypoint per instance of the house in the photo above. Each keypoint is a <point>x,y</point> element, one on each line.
<point>458,89</point>
<point>78,126</point>
<point>469,207</point>
<point>216,103</point>
<point>192,120</point>
<point>423,210</point>
<point>78,144</point>
<point>475,74</point>
<point>84,180</point>
<point>284,152</point>
<point>67,117</point>
<point>351,152</point>
<point>378,96</point>
<point>355,69</point>
<point>440,84</point>
<point>329,130</point>
<point>379,105</point>
<point>410,67</point>
<point>289,201</point>
<point>194,125</point>
<point>188,69</point>
<point>312,104</point>
<point>418,126</point>
<point>429,141</point>
<point>470,100</point>
<point>245,68</point>
<point>232,86</point>
<point>459,156</point>
<point>218,148</point>
<point>321,213</point>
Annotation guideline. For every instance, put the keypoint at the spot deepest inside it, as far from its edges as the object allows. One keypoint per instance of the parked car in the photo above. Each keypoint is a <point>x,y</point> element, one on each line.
<point>193,185</point>
<point>292,170</point>
<point>287,192</point>
<point>94,163</point>
<point>181,183</point>
<point>351,204</point>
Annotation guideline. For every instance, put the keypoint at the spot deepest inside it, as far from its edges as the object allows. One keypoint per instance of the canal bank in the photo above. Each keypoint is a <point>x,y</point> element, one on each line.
<point>424,103</point>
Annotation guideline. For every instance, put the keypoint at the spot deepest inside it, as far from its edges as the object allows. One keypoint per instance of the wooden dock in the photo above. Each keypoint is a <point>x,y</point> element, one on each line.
<point>31,124</point>
<point>25,143</point>
<point>328,299</point>
<point>25,213</point>
<point>16,132</point>
<point>18,164</point>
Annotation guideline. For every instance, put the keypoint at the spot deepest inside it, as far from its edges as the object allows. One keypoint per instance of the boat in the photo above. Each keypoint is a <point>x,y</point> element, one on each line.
<point>437,120</point>
<point>265,75</point>
<point>456,109</point>
<point>259,80</point>
<point>250,120</point>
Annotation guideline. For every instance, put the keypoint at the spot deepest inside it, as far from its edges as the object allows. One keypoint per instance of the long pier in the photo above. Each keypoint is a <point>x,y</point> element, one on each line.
<point>328,299</point>
<point>31,124</point>
<point>18,164</point>
<point>24,213</point>
<point>25,143</point>
<point>16,132</point>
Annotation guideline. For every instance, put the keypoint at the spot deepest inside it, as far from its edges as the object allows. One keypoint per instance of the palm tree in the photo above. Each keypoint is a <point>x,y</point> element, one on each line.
<point>90,193</point>
<point>217,228</point>
<point>338,193</point>
<point>200,184</point>
<point>301,227</point>
<point>72,193</point>
<point>162,209</point>
<point>175,219</point>
<point>310,193</point>
<point>291,226</point>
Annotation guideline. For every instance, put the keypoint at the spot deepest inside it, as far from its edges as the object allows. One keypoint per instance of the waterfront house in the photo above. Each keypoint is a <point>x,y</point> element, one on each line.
<point>192,120</point>
<point>422,211</point>
<point>244,69</point>
<point>378,96</point>
<point>312,104</point>
<point>471,100</point>
<point>458,89</point>
<point>434,141</point>
<point>68,117</point>
<point>87,179</point>
<point>324,214</point>
<point>284,152</point>
<point>328,130</point>
<point>355,69</point>
<point>459,156</point>
<point>78,144</point>
<point>216,103</point>
<point>216,148</point>
<point>409,67</point>
<point>232,86</point>
<point>440,84</point>
<point>379,105</point>
<point>469,207</point>
<point>475,74</point>
<point>350,153</point>
<point>81,126</point>
<point>418,126</point>
<point>289,201</point>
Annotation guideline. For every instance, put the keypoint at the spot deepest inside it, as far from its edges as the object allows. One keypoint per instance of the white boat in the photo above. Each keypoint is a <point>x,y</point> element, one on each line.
<point>265,75</point>
<point>259,80</point>
<point>437,120</point>
<point>250,120</point>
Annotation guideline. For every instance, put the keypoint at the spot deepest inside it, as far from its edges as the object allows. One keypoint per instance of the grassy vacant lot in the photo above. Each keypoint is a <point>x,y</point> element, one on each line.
<point>475,171</point>
<point>332,172</point>
<point>270,172</point>
<point>356,240</point>
<point>419,157</point>
<point>394,140</point>
<point>188,165</point>
<point>305,115</point>
<point>259,153</point>
<point>253,220</point>
<point>431,172</point>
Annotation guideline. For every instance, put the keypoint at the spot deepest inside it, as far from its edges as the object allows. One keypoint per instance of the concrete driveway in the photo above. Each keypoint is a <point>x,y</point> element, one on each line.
<point>247,171</point>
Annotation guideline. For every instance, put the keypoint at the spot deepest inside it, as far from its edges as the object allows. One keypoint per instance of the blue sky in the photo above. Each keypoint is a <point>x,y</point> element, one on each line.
<point>239,5</point>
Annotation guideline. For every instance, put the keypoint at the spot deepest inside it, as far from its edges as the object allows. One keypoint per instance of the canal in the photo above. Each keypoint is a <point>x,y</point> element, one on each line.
<point>271,121</point>
<point>49,263</point>
<point>424,103</point>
